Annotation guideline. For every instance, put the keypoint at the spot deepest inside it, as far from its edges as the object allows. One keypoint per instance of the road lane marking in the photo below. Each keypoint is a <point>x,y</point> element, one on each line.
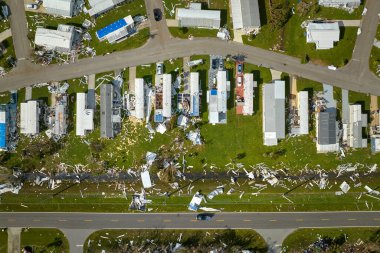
<point>247,220</point>
<point>167,220</point>
<point>219,220</point>
<point>351,219</point>
<point>376,219</point>
<point>193,220</point>
<point>140,220</point>
<point>62,220</point>
<point>36,220</point>
<point>114,220</point>
<point>299,219</point>
<point>273,220</point>
<point>87,220</point>
<point>11,220</point>
<point>325,219</point>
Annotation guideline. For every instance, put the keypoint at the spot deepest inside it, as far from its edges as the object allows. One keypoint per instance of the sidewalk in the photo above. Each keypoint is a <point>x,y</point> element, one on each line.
<point>5,35</point>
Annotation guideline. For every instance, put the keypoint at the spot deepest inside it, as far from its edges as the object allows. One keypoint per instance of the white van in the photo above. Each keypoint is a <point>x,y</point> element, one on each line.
<point>32,6</point>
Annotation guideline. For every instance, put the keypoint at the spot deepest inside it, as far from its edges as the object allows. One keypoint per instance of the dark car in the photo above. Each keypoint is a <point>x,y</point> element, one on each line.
<point>205,216</point>
<point>214,63</point>
<point>157,14</point>
<point>240,68</point>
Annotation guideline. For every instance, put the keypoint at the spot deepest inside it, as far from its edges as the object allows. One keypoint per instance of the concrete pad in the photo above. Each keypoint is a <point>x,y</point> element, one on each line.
<point>293,91</point>
<point>132,77</point>
<point>91,81</point>
<point>28,93</point>
<point>374,106</point>
<point>276,75</point>
<point>186,68</point>
<point>172,22</point>
<point>353,23</point>
<point>77,238</point>
<point>238,36</point>
<point>5,35</point>
<point>14,240</point>
<point>274,238</point>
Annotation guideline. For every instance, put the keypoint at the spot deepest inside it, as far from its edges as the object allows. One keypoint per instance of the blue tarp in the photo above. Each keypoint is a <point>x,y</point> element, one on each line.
<point>111,28</point>
<point>3,135</point>
<point>158,118</point>
<point>214,92</point>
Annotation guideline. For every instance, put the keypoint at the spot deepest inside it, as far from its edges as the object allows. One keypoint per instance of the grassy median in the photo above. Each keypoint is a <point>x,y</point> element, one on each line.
<point>333,240</point>
<point>190,240</point>
<point>44,240</point>
<point>3,240</point>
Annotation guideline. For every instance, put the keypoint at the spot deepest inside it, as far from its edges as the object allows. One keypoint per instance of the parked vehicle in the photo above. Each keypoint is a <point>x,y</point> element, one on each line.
<point>240,68</point>
<point>159,68</point>
<point>32,6</point>
<point>157,14</point>
<point>331,67</point>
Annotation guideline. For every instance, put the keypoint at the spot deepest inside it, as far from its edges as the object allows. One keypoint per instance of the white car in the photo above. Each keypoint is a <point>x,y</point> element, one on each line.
<point>331,67</point>
<point>159,68</point>
<point>32,6</point>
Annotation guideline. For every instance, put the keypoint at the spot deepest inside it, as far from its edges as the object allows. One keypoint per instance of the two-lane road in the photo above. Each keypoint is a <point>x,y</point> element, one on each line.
<point>161,47</point>
<point>280,220</point>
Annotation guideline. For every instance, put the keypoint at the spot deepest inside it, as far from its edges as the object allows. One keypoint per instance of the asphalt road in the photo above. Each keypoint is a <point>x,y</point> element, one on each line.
<point>161,47</point>
<point>19,29</point>
<point>188,220</point>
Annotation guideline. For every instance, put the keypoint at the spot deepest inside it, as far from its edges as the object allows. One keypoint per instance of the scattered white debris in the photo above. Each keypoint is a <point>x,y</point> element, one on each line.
<point>208,209</point>
<point>161,128</point>
<point>344,187</point>
<point>195,202</point>
<point>145,178</point>
<point>194,137</point>
<point>217,191</point>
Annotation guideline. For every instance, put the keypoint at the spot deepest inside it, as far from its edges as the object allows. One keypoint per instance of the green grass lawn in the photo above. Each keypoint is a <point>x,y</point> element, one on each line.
<point>10,52</point>
<point>132,8</point>
<point>295,44</point>
<point>3,241</point>
<point>302,238</point>
<point>222,5</point>
<point>184,32</point>
<point>44,240</point>
<point>292,41</point>
<point>89,196</point>
<point>191,240</point>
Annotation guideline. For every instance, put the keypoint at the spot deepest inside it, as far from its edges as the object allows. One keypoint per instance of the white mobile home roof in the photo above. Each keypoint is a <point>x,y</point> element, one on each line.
<point>303,111</point>
<point>245,14</point>
<point>60,126</point>
<point>59,7</point>
<point>29,118</point>
<point>139,98</point>
<point>167,95</point>
<point>355,126</point>
<point>85,117</point>
<point>337,3</point>
<point>248,94</point>
<point>101,6</point>
<point>274,112</point>
<point>222,91</point>
<point>194,94</point>
<point>323,34</point>
<point>54,39</point>
<point>198,18</point>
